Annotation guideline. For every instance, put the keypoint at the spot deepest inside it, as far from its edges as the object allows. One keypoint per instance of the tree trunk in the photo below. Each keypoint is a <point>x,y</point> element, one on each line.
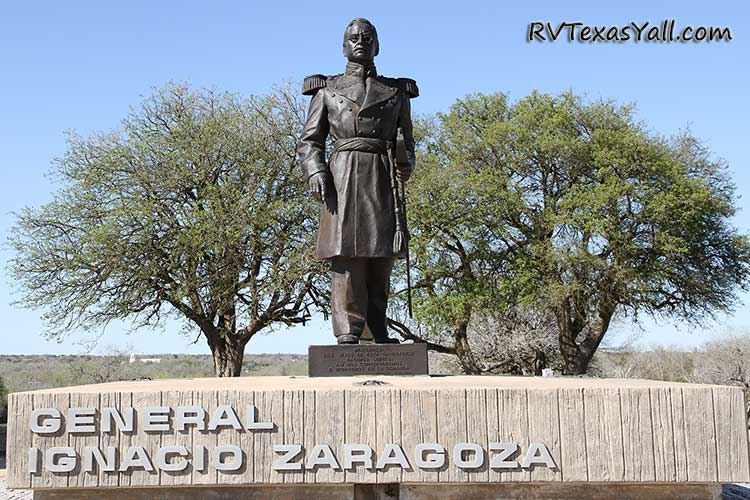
<point>575,365</point>
<point>575,361</point>
<point>463,350</point>
<point>228,352</point>
<point>228,361</point>
<point>577,356</point>
<point>567,340</point>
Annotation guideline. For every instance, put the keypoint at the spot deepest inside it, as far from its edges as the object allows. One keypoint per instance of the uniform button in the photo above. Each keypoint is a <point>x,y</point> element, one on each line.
<point>382,107</point>
<point>373,131</point>
<point>341,100</point>
<point>350,109</point>
<point>360,118</point>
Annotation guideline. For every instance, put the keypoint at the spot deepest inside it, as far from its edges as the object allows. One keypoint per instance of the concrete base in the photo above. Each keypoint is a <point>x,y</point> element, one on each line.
<point>570,491</point>
<point>504,432</point>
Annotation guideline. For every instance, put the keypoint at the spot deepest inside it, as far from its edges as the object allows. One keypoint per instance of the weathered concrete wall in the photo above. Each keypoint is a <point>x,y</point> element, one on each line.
<point>616,431</point>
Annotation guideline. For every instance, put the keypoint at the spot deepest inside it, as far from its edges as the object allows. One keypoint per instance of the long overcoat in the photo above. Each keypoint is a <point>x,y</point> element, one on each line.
<point>358,219</point>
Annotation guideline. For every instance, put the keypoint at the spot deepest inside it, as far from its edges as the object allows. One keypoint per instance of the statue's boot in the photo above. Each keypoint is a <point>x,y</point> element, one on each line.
<point>347,339</point>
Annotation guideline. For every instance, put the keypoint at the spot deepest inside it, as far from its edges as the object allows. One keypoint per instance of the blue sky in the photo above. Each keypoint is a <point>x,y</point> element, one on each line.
<point>81,65</point>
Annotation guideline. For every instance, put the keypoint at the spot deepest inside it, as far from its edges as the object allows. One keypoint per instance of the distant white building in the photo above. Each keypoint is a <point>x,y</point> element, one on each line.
<point>144,360</point>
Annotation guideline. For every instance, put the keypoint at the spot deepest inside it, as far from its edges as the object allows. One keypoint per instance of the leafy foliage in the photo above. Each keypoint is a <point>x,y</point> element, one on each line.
<point>573,207</point>
<point>194,208</point>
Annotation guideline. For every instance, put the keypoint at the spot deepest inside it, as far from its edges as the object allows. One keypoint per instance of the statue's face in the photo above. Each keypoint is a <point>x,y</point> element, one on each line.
<point>360,43</point>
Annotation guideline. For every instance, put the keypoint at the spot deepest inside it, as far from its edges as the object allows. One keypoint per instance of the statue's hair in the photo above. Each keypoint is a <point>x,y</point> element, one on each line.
<point>362,20</point>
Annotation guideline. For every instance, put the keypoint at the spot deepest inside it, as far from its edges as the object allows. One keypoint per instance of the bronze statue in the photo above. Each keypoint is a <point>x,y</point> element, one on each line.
<point>362,224</point>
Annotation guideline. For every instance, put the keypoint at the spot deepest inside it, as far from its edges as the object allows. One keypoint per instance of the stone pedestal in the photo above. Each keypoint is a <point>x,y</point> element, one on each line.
<point>412,437</point>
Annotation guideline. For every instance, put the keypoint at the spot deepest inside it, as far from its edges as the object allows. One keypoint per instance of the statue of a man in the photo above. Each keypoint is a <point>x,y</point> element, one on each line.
<point>362,112</point>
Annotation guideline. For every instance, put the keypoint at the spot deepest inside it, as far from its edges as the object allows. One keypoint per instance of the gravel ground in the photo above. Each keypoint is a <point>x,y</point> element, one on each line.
<point>6,494</point>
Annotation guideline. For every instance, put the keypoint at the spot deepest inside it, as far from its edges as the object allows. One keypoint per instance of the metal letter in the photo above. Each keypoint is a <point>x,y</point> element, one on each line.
<point>433,460</point>
<point>106,464</point>
<point>506,450</point>
<point>156,419</point>
<point>253,425</point>
<point>123,423</point>
<point>81,420</point>
<point>224,416</point>
<point>360,453</point>
<point>136,457</point>
<point>162,458</point>
<point>33,460</point>
<point>475,462</point>
<point>290,452</point>
<point>235,460</point>
<point>538,454</point>
<point>392,455</point>
<point>321,456</point>
<point>199,458</point>
<point>60,459</point>
<point>193,415</point>
<point>49,424</point>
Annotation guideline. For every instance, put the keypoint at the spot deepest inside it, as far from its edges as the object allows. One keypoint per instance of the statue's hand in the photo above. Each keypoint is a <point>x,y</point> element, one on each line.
<point>320,185</point>
<point>403,171</point>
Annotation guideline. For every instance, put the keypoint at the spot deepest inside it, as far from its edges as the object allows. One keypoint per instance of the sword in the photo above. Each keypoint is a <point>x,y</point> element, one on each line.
<point>402,157</point>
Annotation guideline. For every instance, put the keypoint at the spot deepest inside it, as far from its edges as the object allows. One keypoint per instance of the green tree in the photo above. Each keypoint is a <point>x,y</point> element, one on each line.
<point>570,205</point>
<point>192,208</point>
<point>457,251</point>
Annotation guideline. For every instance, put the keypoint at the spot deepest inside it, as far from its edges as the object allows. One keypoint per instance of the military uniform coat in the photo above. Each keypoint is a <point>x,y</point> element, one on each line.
<point>358,219</point>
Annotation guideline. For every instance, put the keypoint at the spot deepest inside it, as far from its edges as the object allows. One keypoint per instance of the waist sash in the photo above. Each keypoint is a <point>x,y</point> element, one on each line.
<point>362,144</point>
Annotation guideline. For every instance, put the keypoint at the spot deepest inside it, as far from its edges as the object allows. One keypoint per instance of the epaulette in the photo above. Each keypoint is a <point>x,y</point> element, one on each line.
<point>313,83</point>
<point>410,86</point>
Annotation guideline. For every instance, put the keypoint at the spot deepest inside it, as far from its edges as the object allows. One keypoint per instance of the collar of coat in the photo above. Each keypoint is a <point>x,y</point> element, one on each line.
<point>360,70</point>
<point>379,89</point>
